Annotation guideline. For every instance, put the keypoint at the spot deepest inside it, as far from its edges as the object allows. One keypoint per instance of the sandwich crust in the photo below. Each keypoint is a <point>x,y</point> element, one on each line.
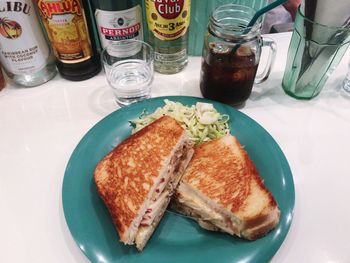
<point>222,177</point>
<point>127,177</point>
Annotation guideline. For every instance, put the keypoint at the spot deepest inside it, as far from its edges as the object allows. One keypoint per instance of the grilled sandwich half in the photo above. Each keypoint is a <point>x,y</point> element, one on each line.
<point>137,179</point>
<point>223,191</point>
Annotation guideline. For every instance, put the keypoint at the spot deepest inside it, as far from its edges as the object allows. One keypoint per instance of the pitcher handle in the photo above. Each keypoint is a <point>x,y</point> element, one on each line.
<point>270,60</point>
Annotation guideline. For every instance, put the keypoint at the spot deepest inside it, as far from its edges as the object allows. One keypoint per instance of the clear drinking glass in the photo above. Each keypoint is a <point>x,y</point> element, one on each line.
<point>128,65</point>
<point>231,55</point>
<point>314,52</point>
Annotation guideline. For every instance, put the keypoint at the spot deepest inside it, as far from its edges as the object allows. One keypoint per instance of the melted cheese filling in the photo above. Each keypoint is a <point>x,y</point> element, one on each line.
<point>205,213</point>
<point>154,209</point>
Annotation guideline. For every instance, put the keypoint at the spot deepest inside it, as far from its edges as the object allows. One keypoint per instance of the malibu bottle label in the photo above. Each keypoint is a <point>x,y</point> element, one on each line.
<point>119,25</point>
<point>23,48</point>
<point>64,21</point>
<point>168,19</point>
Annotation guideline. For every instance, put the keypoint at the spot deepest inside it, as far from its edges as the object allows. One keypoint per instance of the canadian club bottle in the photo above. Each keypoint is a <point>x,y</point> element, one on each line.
<point>24,52</point>
<point>168,22</point>
<point>118,20</point>
<point>71,36</point>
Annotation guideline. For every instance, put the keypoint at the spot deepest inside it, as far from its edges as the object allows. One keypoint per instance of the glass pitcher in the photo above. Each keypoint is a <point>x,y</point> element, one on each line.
<point>231,55</point>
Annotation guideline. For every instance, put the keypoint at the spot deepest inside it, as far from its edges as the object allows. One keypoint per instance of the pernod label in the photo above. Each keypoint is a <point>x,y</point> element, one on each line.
<point>119,25</point>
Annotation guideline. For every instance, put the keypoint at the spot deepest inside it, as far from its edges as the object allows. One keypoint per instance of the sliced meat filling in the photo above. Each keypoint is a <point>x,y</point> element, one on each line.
<point>167,184</point>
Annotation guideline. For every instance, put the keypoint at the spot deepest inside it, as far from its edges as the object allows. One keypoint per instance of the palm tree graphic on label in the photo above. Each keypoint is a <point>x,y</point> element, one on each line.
<point>10,28</point>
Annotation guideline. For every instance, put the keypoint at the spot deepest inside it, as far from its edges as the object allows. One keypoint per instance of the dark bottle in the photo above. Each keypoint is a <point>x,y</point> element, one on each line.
<point>70,30</point>
<point>118,20</point>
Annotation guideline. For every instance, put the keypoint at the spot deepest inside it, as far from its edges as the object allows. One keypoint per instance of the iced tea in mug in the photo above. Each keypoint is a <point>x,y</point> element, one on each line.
<point>231,55</point>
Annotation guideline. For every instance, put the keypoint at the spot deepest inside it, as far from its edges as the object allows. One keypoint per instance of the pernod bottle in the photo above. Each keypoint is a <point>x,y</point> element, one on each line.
<point>118,20</point>
<point>24,52</point>
<point>70,32</point>
<point>168,22</point>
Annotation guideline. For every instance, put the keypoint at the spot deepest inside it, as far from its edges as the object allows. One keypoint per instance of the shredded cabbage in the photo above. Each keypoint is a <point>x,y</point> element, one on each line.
<point>202,121</point>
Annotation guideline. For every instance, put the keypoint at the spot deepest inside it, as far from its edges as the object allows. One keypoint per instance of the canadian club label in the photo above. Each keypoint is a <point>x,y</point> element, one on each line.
<point>168,19</point>
<point>23,49</point>
<point>65,24</point>
<point>119,25</point>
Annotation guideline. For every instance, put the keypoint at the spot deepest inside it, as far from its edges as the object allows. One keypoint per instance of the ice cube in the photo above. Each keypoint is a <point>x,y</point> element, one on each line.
<point>219,48</point>
<point>244,51</point>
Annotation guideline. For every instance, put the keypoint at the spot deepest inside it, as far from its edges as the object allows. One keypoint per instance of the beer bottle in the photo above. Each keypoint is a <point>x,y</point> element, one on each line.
<point>70,30</point>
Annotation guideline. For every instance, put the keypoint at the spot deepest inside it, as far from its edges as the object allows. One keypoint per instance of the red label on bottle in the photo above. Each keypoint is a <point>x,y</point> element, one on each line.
<point>58,8</point>
<point>124,32</point>
<point>169,9</point>
<point>64,21</point>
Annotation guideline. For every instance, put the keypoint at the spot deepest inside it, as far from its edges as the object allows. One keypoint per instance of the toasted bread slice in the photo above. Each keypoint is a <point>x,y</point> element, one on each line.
<point>140,175</point>
<point>222,189</point>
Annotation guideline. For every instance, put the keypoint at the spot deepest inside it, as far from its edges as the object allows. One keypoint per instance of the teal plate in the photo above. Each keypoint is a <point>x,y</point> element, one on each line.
<point>176,239</point>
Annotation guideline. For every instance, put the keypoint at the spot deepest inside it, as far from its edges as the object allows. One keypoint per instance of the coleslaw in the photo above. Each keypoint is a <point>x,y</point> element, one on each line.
<point>202,120</point>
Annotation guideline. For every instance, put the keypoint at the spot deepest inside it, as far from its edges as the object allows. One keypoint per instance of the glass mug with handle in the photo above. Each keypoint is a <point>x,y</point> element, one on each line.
<point>231,55</point>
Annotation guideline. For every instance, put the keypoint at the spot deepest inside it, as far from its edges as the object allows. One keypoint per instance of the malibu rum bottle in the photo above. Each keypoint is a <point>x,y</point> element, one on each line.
<point>168,22</point>
<point>24,52</point>
<point>69,32</point>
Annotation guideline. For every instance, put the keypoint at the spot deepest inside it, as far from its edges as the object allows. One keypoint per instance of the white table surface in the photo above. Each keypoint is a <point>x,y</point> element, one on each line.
<point>41,126</point>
